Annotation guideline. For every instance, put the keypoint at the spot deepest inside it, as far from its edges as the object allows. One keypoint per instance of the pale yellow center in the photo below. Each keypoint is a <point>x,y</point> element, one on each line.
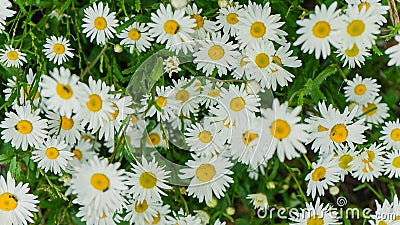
<point>140,208</point>
<point>370,109</point>
<point>77,153</point>
<point>161,101</point>
<point>182,95</point>
<point>216,52</point>
<point>237,104</point>
<point>148,180</point>
<point>262,60</point>
<point>315,220</point>
<point>396,162</point>
<point>352,52</point>
<point>205,136</point>
<point>205,172</point>
<point>356,28</point>
<point>344,161</point>
<point>214,93</point>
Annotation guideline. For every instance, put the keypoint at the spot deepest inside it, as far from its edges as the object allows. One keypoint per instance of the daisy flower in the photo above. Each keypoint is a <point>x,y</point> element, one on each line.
<point>394,53</point>
<point>181,218</point>
<point>161,217</point>
<point>16,204</point>
<point>99,23</point>
<point>11,56</point>
<point>345,156</point>
<point>205,139</point>
<point>359,27</point>
<point>203,25</point>
<point>95,104</point>
<point>24,128</point>
<point>256,24</point>
<point>361,90</point>
<point>155,138</point>
<point>67,129</point>
<point>324,173</point>
<point>86,215</point>
<point>99,186</point>
<point>353,56</point>
<point>57,49</point>
<point>210,92</point>
<point>172,28</point>
<point>392,164</point>
<point>5,12</point>
<point>374,6</point>
<point>228,18</point>
<point>216,52</point>
<point>374,112</point>
<point>319,31</point>
<point>186,93</point>
<point>285,134</point>
<point>82,152</point>
<point>318,214</point>
<point>236,105</point>
<point>28,93</point>
<point>139,213</point>
<point>283,57</point>
<point>164,105</point>
<point>218,222</point>
<point>369,163</point>
<point>61,90</point>
<point>383,213</point>
<point>52,155</point>
<point>209,176</point>
<point>391,134</point>
<point>239,68</point>
<point>259,200</point>
<point>92,140</point>
<point>147,181</point>
<point>171,65</point>
<point>136,36</point>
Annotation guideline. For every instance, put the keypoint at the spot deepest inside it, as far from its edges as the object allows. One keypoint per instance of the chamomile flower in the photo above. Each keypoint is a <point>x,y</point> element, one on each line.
<point>256,24</point>
<point>161,217</point>
<point>92,140</point>
<point>139,212</point>
<point>319,31</point>
<point>57,49</point>
<point>171,65</point>
<point>283,131</point>
<point>12,57</point>
<point>205,139</point>
<point>259,200</point>
<point>67,129</point>
<point>99,185</point>
<point>182,218</point>
<point>147,181</point>
<point>283,57</point>
<point>353,56</point>
<point>324,173</point>
<point>228,18</point>
<point>359,27</point>
<point>318,214</point>
<point>345,156</point>
<point>236,105</point>
<point>155,138</point>
<point>216,52</point>
<point>392,164</point>
<point>164,104</point>
<point>5,12</point>
<point>186,93</point>
<point>374,112</point>
<point>105,218</point>
<point>211,91</point>
<point>383,213</point>
<point>61,90</point>
<point>28,93</point>
<point>82,152</point>
<point>172,28</point>
<point>95,104</point>
<point>203,25</point>
<point>369,163</point>
<point>136,36</point>
<point>209,176</point>
<point>23,128</point>
<point>99,23</point>
<point>218,222</point>
<point>53,155</point>
<point>16,204</point>
<point>361,90</point>
<point>394,53</point>
<point>391,134</point>
<point>374,6</point>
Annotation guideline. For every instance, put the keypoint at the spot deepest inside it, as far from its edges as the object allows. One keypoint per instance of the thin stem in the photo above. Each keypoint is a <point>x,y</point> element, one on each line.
<point>297,182</point>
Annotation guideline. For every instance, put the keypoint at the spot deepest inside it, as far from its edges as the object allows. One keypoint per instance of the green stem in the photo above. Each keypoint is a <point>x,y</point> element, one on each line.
<point>375,192</point>
<point>297,182</point>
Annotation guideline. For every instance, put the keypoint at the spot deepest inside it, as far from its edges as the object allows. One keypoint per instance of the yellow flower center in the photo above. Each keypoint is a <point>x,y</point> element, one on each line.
<point>52,153</point>
<point>339,133</point>
<point>277,60</point>
<point>100,23</point>
<point>319,174</point>
<point>77,153</point>
<point>134,119</point>
<point>216,52</point>
<point>321,29</point>
<point>161,101</point>
<point>67,123</point>
<point>205,172</point>
<point>382,223</point>
<point>140,208</point>
<point>24,127</point>
<point>199,21</point>
<point>59,49</point>
<point>148,180</point>
<point>153,139</point>
<point>232,18</point>
<point>315,220</point>
<point>243,61</point>
<point>214,93</point>
<point>28,92</point>
<point>322,128</point>
<point>362,4</point>
<point>370,169</point>
<point>360,89</point>
<point>8,201</point>
<point>100,181</point>
<point>12,55</point>
<point>262,60</point>
<point>95,103</point>
<point>344,161</point>
<point>258,29</point>
<point>171,27</point>
<point>248,137</point>
<point>156,219</point>
<point>134,34</point>
<point>396,162</point>
<point>205,136</point>
<point>237,104</point>
<point>64,91</point>
<point>182,95</point>
<point>370,109</point>
<point>395,134</point>
<point>356,28</point>
<point>280,129</point>
<point>371,156</point>
<point>352,52</point>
